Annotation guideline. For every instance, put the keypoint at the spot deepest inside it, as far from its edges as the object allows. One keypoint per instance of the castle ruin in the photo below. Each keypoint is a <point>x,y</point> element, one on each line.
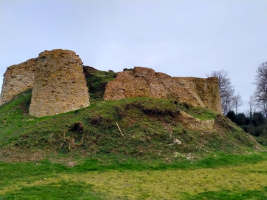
<point>17,79</point>
<point>145,82</point>
<point>59,85</point>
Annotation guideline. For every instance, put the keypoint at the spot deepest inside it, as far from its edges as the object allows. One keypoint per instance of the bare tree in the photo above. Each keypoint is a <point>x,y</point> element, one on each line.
<point>251,106</point>
<point>237,102</point>
<point>260,95</point>
<point>226,90</point>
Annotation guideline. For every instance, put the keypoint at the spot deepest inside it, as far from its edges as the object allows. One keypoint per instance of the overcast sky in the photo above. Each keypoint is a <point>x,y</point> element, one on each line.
<point>177,37</point>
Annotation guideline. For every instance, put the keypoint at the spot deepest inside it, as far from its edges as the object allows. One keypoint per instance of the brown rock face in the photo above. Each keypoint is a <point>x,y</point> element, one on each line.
<point>194,123</point>
<point>17,79</point>
<point>145,82</point>
<point>59,84</point>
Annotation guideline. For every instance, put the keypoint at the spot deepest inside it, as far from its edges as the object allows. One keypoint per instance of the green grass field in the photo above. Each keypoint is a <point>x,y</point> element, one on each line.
<point>216,177</point>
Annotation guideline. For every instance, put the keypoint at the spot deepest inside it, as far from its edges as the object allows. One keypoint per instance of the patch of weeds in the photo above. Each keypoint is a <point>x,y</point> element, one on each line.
<point>217,160</point>
<point>77,127</point>
<point>120,113</point>
<point>20,171</point>
<point>152,106</point>
<point>202,113</point>
<point>96,81</point>
<point>56,190</point>
<point>230,195</point>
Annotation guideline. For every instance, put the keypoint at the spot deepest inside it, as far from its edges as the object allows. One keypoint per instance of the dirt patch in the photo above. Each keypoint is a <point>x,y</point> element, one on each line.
<point>20,155</point>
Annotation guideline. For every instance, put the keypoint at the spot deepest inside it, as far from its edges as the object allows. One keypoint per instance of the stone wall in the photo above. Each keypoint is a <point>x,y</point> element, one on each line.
<point>203,92</point>
<point>59,84</point>
<point>145,82</point>
<point>17,79</point>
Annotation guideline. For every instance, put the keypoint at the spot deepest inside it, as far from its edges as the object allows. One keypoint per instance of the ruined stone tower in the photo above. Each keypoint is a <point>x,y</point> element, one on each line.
<point>59,84</point>
<point>17,79</point>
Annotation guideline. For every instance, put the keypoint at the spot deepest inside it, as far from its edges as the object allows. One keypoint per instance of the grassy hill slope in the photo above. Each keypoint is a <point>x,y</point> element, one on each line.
<point>140,128</point>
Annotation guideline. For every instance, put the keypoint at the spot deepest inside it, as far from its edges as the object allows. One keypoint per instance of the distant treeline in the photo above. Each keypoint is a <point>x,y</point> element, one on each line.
<point>255,124</point>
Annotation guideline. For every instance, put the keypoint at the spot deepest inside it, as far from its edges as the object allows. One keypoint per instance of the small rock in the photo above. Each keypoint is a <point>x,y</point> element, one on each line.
<point>71,164</point>
<point>176,141</point>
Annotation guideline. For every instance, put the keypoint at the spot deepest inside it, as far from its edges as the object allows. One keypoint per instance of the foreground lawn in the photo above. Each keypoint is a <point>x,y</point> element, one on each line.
<point>50,181</point>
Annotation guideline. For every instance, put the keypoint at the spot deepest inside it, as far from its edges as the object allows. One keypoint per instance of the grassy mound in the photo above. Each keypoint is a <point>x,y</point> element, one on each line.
<point>140,128</point>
